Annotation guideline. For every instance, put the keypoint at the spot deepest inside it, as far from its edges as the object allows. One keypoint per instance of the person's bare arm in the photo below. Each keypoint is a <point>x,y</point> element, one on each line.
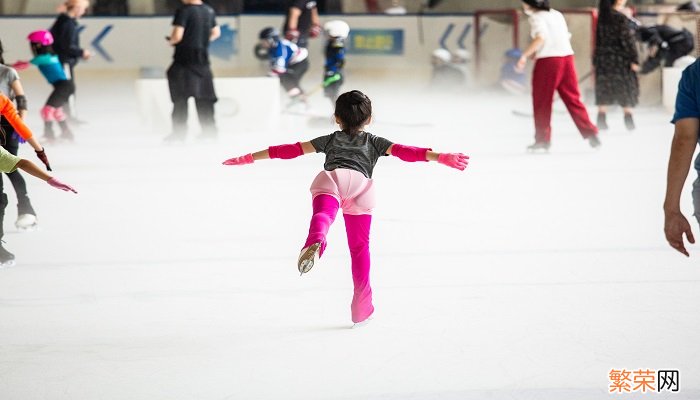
<point>32,169</point>
<point>531,49</point>
<point>294,13</point>
<point>176,35</point>
<point>314,17</point>
<point>685,140</point>
<point>215,33</point>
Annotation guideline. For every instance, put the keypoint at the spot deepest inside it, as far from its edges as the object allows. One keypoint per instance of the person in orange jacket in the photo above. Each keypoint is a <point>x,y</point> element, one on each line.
<point>10,163</point>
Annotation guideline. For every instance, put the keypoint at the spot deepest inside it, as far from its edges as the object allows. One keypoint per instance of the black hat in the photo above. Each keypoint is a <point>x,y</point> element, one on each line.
<point>538,4</point>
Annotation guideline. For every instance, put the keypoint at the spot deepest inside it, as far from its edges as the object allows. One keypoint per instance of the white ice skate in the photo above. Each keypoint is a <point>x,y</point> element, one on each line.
<point>308,256</point>
<point>27,222</point>
<point>360,324</point>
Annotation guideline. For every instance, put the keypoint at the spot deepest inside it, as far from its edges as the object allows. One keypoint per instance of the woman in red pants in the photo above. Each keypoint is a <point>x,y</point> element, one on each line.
<point>554,72</point>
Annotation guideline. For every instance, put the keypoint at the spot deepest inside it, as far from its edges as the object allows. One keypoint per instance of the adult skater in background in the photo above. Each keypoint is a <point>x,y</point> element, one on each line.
<point>685,139</point>
<point>346,182</point>
<point>616,63</point>
<point>302,22</point>
<point>194,26</point>
<point>287,60</point>
<point>11,87</point>
<point>554,71</point>
<point>65,31</point>
<point>666,45</point>
<point>10,163</point>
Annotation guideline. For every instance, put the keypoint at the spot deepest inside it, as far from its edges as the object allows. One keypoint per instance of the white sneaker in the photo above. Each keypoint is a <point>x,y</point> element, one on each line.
<point>308,256</point>
<point>26,222</point>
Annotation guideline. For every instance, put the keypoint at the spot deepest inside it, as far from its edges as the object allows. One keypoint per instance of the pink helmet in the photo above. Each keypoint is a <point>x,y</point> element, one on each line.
<point>43,38</point>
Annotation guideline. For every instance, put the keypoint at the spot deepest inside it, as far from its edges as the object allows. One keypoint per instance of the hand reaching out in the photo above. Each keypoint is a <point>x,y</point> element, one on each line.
<point>242,160</point>
<point>60,185</point>
<point>454,160</point>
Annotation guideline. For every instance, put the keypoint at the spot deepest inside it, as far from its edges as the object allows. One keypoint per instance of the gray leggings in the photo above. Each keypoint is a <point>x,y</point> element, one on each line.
<point>696,198</point>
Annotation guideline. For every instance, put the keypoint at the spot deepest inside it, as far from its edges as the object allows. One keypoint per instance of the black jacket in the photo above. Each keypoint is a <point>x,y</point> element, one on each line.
<point>66,40</point>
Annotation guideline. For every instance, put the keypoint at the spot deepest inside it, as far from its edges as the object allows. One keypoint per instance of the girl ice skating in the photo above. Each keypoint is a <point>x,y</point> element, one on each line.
<point>346,182</point>
<point>63,88</point>
<point>11,87</point>
<point>10,163</point>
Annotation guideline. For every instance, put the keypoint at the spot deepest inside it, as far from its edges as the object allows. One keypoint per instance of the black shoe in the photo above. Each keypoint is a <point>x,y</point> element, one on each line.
<point>629,122</point>
<point>6,258</point>
<point>594,141</point>
<point>538,146</point>
<point>602,122</point>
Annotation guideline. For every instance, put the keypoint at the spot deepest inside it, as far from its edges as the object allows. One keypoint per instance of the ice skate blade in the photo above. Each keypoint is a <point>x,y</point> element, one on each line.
<point>25,229</point>
<point>361,324</point>
<point>308,257</point>
<point>7,264</point>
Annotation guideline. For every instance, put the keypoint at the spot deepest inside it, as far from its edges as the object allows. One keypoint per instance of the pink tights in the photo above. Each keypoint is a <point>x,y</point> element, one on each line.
<point>325,208</point>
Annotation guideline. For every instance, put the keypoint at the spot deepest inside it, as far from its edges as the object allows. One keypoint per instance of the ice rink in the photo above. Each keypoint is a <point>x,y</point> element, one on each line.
<point>170,276</point>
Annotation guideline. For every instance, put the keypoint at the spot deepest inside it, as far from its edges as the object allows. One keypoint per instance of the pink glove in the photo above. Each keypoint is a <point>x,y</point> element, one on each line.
<point>21,65</point>
<point>292,35</point>
<point>315,31</point>
<point>242,160</point>
<point>60,185</point>
<point>454,160</point>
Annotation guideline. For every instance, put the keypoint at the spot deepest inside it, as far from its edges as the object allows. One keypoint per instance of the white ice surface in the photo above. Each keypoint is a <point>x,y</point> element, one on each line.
<point>170,276</point>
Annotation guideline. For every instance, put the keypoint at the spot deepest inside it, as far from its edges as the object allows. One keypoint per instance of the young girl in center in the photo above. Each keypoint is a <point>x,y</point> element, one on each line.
<point>346,183</point>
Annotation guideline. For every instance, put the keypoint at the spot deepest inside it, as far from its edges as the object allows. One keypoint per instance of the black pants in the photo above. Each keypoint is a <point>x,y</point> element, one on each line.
<point>290,79</point>
<point>62,90</point>
<point>185,81</point>
<point>205,111</point>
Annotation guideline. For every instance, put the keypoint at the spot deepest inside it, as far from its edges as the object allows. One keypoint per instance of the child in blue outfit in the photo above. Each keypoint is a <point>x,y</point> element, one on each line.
<point>287,60</point>
<point>336,31</point>
<point>63,88</point>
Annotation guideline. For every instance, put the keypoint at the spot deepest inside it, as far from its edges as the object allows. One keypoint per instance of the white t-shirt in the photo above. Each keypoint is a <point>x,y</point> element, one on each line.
<point>551,26</point>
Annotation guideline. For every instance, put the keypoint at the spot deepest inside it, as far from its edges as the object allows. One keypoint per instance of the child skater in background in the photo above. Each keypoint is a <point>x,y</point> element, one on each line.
<point>63,88</point>
<point>287,60</point>
<point>346,183</point>
<point>10,163</point>
<point>336,31</point>
<point>11,87</point>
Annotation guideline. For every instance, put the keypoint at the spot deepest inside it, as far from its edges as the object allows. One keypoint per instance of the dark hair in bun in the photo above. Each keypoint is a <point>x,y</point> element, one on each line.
<point>353,109</point>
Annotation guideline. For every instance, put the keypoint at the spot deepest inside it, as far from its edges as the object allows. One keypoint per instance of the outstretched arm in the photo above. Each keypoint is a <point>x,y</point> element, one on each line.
<point>685,140</point>
<point>32,169</point>
<point>412,154</point>
<point>284,151</point>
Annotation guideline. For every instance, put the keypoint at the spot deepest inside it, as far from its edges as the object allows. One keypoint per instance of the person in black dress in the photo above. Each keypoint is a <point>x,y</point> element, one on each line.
<point>616,62</point>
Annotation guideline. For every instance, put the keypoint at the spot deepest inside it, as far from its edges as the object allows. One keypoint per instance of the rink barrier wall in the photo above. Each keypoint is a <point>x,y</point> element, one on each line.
<point>135,43</point>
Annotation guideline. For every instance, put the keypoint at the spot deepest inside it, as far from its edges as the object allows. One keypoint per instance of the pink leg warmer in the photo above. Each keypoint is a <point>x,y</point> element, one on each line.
<point>325,208</point>
<point>59,115</point>
<point>357,228</point>
<point>47,113</point>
